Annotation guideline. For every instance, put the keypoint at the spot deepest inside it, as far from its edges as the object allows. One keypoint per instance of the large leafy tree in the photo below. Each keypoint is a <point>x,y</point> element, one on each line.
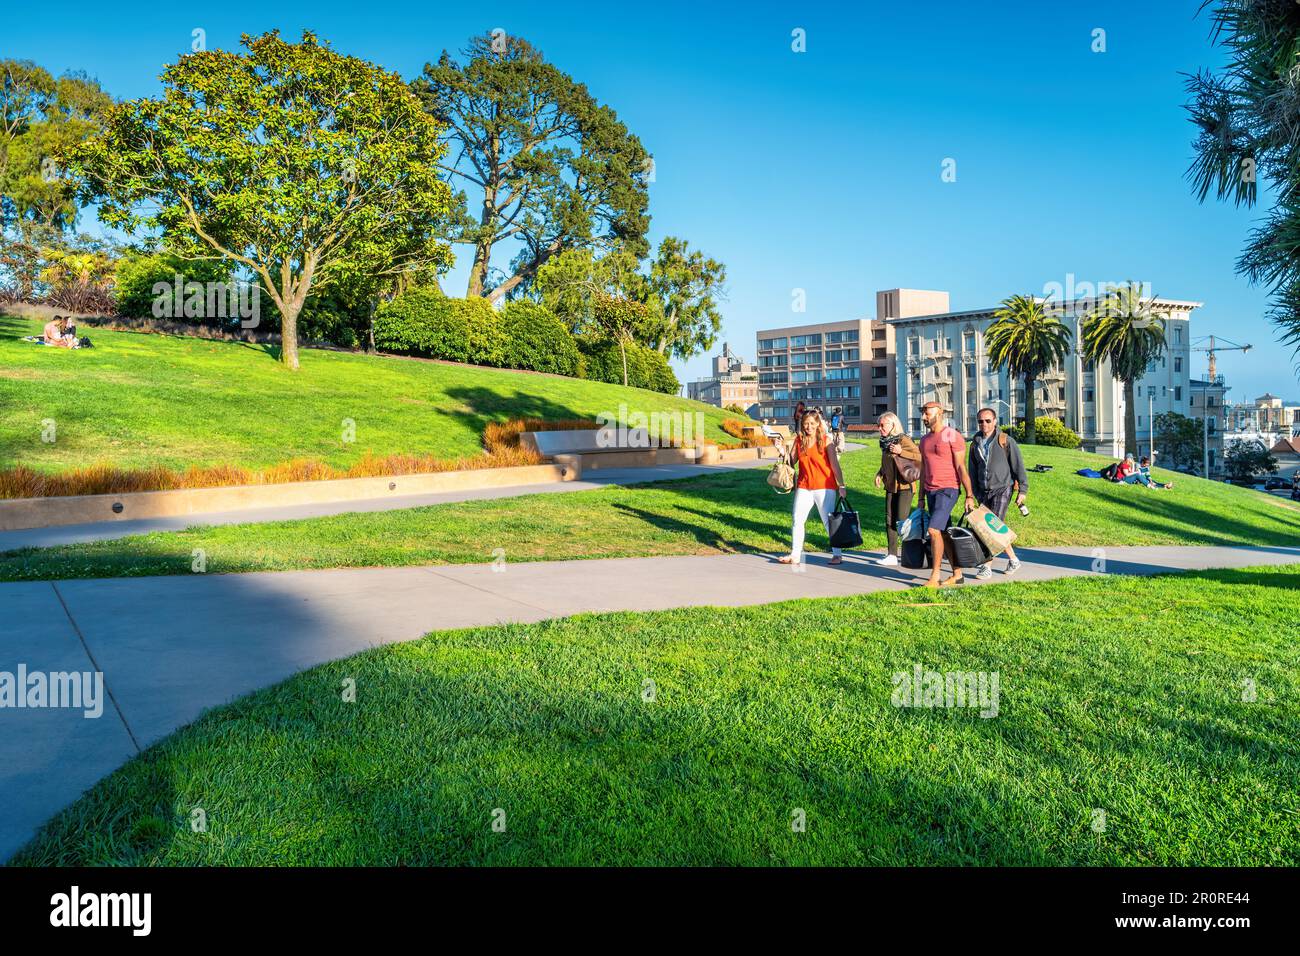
<point>301,164</point>
<point>1178,440</point>
<point>42,120</point>
<point>685,286</point>
<point>1247,116</point>
<point>549,167</point>
<point>1026,339</point>
<point>1123,330</point>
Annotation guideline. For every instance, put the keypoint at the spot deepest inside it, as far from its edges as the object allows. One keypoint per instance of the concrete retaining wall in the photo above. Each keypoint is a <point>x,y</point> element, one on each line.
<point>20,513</point>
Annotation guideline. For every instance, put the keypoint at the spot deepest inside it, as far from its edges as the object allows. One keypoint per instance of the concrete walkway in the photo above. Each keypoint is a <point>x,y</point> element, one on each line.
<point>172,647</point>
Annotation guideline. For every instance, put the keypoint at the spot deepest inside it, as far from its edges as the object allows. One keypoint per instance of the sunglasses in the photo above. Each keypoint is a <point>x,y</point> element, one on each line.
<point>986,421</point>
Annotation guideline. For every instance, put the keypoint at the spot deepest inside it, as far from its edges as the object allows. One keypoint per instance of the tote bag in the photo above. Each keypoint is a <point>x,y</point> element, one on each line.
<point>991,530</point>
<point>843,525</point>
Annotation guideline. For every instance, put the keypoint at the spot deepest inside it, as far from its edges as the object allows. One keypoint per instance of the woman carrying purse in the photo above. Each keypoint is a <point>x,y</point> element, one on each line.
<point>900,469</point>
<point>820,481</point>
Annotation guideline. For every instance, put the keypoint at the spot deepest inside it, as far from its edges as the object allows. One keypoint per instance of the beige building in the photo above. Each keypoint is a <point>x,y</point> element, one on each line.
<point>733,382</point>
<point>942,357</point>
<point>848,365</point>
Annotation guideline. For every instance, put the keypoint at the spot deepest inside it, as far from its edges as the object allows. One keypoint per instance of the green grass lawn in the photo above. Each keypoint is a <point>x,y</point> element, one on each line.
<point>731,512</point>
<point>1117,694</point>
<point>136,400</point>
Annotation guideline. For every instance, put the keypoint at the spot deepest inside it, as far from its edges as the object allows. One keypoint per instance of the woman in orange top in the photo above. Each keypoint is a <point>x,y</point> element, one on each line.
<point>820,479</point>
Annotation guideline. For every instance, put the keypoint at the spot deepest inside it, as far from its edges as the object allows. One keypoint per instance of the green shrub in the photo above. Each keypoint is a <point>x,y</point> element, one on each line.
<point>487,342</point>
<point>1047,431</point>
<point>646,368</point>
<point>136,276</point>
<point>535,339</point>
<point>423,322</point>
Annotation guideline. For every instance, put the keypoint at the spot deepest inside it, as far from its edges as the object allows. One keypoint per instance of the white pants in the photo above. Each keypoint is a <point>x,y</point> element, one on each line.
<point>804,499</point>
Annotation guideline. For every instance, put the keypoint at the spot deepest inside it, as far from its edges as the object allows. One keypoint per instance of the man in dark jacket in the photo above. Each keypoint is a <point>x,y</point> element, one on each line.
<point>995,467</point>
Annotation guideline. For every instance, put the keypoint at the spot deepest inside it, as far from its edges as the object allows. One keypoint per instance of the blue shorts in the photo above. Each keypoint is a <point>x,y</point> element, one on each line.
<point>940,504</point>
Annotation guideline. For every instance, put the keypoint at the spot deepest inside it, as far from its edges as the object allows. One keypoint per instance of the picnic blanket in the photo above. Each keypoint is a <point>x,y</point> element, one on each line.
<point>1089,472</point>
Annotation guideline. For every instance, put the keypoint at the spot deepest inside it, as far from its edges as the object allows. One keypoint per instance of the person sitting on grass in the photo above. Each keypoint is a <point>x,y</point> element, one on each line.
<point>1142,476</point>
<point>60,333</point>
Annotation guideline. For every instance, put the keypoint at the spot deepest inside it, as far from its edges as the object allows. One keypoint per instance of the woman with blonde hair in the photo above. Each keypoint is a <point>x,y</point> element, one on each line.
<point>895,448</point>
<point>819,481</point>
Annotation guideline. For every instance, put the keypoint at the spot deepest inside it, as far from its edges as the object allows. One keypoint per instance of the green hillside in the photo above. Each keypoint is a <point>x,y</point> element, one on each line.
<point>137,400</point>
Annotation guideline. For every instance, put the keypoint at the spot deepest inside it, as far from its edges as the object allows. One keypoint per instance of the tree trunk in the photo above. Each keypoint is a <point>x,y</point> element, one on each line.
<point>289,334</point>
<point>479,270</point>
<point>1130,418</point>
<point>1031,433</point>
<point>622,347</point>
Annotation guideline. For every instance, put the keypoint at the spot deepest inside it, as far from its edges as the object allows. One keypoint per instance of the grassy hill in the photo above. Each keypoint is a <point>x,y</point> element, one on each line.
<point>735,511</point>
<point>137,400</point>
<point>1119,695</point>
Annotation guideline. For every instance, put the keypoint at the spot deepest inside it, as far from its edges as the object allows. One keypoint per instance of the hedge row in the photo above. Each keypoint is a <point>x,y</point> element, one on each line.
<point>523,335</point>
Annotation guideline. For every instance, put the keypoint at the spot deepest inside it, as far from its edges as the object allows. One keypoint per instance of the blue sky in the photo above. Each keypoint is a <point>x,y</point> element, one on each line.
<point>821,170</point>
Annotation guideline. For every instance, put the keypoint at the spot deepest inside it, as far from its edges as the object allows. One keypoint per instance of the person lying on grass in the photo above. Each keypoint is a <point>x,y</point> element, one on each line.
<point>819,479</point>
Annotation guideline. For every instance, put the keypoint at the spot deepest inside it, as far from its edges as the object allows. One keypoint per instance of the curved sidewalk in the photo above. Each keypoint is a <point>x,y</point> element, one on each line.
<point>172,647</point>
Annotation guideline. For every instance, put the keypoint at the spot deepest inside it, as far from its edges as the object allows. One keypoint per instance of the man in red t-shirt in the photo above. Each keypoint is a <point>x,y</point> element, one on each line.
<point>943,474</point>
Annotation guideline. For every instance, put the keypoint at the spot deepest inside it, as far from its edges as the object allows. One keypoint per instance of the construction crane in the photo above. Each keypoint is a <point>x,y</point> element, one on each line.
<point>1216,344</point>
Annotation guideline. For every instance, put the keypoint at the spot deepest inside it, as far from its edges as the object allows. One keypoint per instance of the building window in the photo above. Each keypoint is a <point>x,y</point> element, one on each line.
<point>1089,395</point>
<point>878,353</point>
<point>968,341</point>
<point>913,347</point>
<point>1178,393</point>
<point>878,371</point>
<point>1178,363</point>
<point>1178,335</point>
<point>970,369</point>
<point>765,344</point>
<point>880,391</point>
<point>1089,425</point>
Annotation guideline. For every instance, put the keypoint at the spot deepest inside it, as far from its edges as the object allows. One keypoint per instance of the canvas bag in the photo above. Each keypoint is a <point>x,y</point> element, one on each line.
<point>991,530</point>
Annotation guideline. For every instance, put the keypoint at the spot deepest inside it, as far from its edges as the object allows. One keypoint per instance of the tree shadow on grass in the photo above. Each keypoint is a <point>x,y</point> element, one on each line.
<point>1196,524</point>
<point>483,405</point>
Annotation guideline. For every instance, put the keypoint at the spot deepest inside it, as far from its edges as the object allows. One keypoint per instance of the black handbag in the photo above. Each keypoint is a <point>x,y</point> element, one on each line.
<point>843,525</point>
<point>967,551</point>
<point>915,553</point>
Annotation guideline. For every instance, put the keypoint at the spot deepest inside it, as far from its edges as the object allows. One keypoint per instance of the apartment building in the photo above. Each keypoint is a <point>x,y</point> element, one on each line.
<point>847,365</point>
<point>1208,406</point>
<point>819,365</point>
<point>942,357</point>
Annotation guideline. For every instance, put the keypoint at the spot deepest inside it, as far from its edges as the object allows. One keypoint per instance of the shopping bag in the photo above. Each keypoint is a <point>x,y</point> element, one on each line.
<point>991,530</point>
<point>915,526</point>
<point>842,523</point>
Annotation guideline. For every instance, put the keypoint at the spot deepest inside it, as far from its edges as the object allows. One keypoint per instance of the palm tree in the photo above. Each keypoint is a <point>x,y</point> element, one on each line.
<point>1026,339</point>
<point>1122,330</point>
<point>1248,129</point>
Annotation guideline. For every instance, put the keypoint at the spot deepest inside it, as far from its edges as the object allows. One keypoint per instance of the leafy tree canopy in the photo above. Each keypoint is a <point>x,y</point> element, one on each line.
<point>303,165</point>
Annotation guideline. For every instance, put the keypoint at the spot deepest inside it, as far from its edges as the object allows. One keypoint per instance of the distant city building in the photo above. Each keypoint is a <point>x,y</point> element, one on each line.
<point>848,365</point>
<point>916,351</point>
<point>1267,419</point>
<point>1208,406</point>
<point>942,357</point>
<point>733,382</point>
